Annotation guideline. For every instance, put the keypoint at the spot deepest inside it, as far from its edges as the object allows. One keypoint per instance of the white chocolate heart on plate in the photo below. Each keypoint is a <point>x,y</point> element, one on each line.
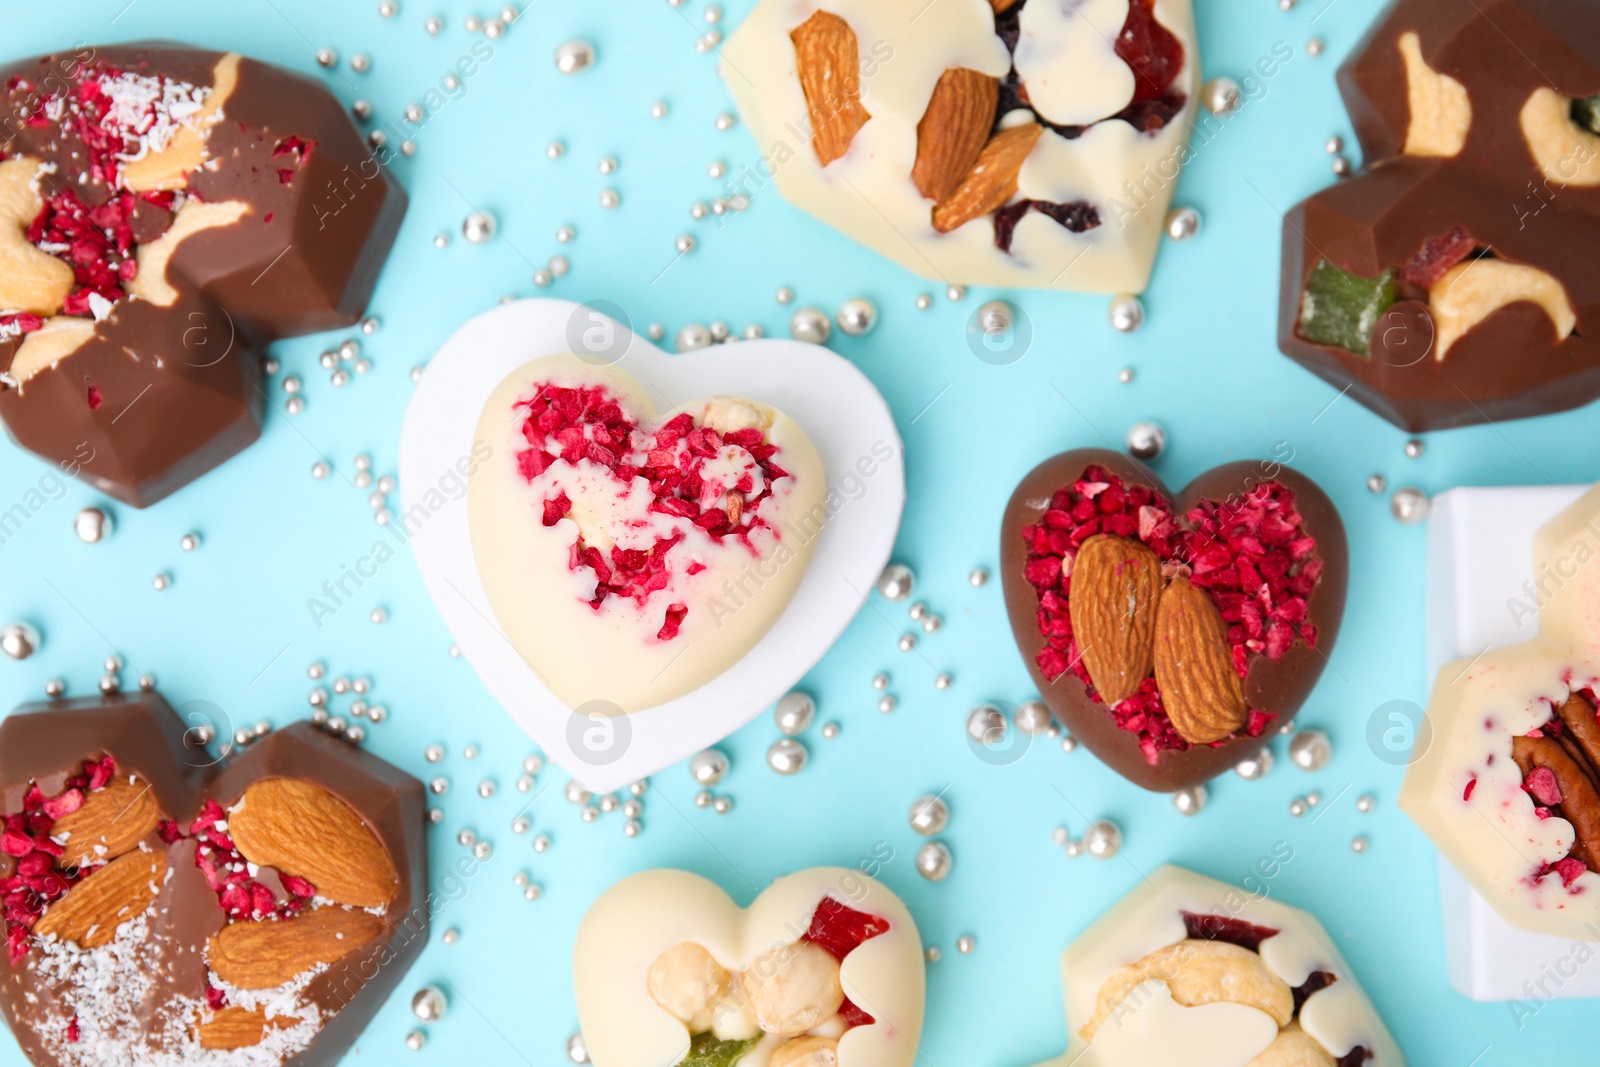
<point>648,620</point>
<point>825,961</point>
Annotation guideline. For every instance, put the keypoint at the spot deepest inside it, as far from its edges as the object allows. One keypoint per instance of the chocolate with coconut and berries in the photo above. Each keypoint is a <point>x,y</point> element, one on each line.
<point>1172,632</point>
<point>987,142</point>
<point>165,906</point>
<point>164,213</point>
<point>1454,282</point>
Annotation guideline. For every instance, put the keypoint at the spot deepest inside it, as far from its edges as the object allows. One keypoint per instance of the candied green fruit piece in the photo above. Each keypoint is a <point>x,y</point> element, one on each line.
<point>1340,308</point>
<point>706,1051</point>
<point>1586,112</point>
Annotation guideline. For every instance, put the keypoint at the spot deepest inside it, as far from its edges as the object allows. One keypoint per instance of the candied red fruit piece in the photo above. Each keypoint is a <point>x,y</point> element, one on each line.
<point>1152,51</point>
<point>1226,928</point>
<point>841,929</point>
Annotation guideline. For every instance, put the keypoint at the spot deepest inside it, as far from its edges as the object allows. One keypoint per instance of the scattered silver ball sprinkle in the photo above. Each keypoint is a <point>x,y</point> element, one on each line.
<point>577,1051</point>
<point>1034,717</point>
<point>1409,506</point>
<point>1314,47</point>
<point>784,295</point>
<point>1333,145</point>
<point>965,944</point>
<point>1297,807</point>
<point>360,62</point>
<point>855,317</point>
<point>483,850</point>
<point>1127,313</point>
<point>929,815</point>
<point>486,788</point>
<point>830,730</point>
<point>521,824</point>
<point>327,57</point>
<point>722,805</point>
<point>887,703</point>
<point>1358,843</point>
<point>541,843</point>
<point>379,616</point>
<point>1340,166</point>
<point>521,878</point>
<point>524,783</point>
<point>684,244</point>
<point>1365,802</point>
<point>576,793</point>
<point>1221,96</point>
<point>435,815</point>
<point>339,378</point>
<point>608,803</point>
<point>896,582</point>
<point>697,210</point>
<point>1310,750</point>
<point>294,405</point>
<point>907,642</point>
<point>565,234</point>
<point>55,689</point>
<point>1146,440</point>
<point>996,317</point>
<point>1413,449</point>
<point>692,337</point>
<point>787,756</point>
<point>439,786</point>
<point>702,799</point>
<point>559,266</point>
<point>706,43</point>
<point>472,23</point>
<point>609,198</point>
<point>111,685</point>
<point>931,624</point>
<point>632,827</point>
<point>574,56</point>
<point>541,278</point>
<point>493,28</point>
<point>1254,767</point>
<point>93,525</point>
<point>956,292</point>
<point>415,1040</point>
<point>811,326</point>
<point>469,752</point>
<point>292,384</point>
<point>1313,798</point>
<point>656,331</point>
<point>987,724</point>
<point>450,936</point>
<point>978,577</point>
<point>607,164</point>
<point>933,954</point>
<point>362,110</point>
<point>708,767</point>
<point>318,697</point>
<point>466,838</point>
<point>20,640</point>
<point>478,227</point>
<point>161,581</point>
<point>555,149</point>
<point>934,861</point>
<point>1183,223</point>
<point>1102,839</point>
<point>428,1004</point>
<point>942,681</point>
<point>441,240</point>
<point>1377,484</point>
<point>147,683</point>
<point>658,110</point>
<point>754,332</point>
<point>1190,801</point>
<point>717,169</point>
<point>880,681</point>
<point>794,713</point>
<point>917,611</point>
<point>924,301</point>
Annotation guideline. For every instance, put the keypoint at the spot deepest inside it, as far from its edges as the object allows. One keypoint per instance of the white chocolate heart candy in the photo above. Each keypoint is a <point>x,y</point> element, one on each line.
<point>1502,788</point>
<point>824,969</point>
<point>630,557</point>
<point>1147,986</point>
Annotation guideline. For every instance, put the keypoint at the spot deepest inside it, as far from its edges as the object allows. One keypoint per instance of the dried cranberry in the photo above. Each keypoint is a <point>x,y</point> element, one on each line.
<point>1437,255</point>
<point>842,929</point>
<point>1315,982</point>
<point>1152,51</point>
<point>1226,928</point>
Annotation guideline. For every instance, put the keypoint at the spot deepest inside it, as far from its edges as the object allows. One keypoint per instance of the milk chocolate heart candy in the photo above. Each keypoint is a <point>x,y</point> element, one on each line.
<point>1453,282</point>
<point>165,212</point>
<point>1508,788</point>
<point>1185,964</point>
<point>824,967</point>
<point>630,556</point>
<point>164,907</point>
<point>1172,632</point>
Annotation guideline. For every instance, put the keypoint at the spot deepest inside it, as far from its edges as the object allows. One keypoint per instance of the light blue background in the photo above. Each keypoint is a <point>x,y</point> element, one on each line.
<point>1207,368</point>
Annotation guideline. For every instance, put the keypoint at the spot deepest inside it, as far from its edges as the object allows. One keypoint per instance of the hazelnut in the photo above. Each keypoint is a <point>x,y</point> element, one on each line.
<point>1470,292</point>
<point>806,1052</point>
<point>1567,153</point>
<point>1441,111</point>
<point>726,414</point>
<point>687,982</point>
<point>793,988</point>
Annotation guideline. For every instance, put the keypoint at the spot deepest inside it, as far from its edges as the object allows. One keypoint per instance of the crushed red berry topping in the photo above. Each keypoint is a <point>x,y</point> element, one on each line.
<point>709,482</point>
<point>840,929</point>
<point>228,873</point>
<point>1249,552</point>
<point>25,837</point>
<point>1226,928</point>
<point>1437,255</point>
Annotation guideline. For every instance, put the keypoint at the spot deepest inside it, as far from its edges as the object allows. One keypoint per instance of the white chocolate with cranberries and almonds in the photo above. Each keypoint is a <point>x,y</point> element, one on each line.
<point>1509,786</point>
<point>1185,969</point>
<point>631,557</point>
<point>824,969</point>
<point>1036,146</point>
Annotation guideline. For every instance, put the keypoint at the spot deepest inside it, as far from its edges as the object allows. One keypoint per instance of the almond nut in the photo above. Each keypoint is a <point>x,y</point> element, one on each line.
<point>1194,665</point>
<point>235,1027</point>
<point>1198,972</point>
<point>828,62</point>
<point>302,829</point>
<point>30,280</point>
<point>88,916</point>
<point>991,181</point>
<point>953,130</point>
<point>1116,584</point>
<point>111,821</point>
<point>266,954</point>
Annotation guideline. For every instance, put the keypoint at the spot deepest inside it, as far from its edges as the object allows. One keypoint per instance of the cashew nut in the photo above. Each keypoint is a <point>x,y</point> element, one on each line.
<point>793,988</point>
<point>1566,153</point>
<point>1441,111</point>
<point>57,339</point>
<point>688,983</point>
<point>170,167</point>
<point>30,280</point>
<point>1470,292</point>
<point>1293,1047</point>
<point>150,282</point>
<point>806,1052</point>
<point>1199,972</point>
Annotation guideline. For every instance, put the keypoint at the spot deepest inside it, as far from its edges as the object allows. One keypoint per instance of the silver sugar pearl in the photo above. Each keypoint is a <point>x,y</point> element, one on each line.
<point>1340,166</point>
<point>931,624</point>
<point>555,149</point>
<point>466,838</point>
<point>794,713</point>
<point>907,642</point>
<point>755,331</point>
<point>856,316</point>
<point>541,843</point>
<point>1182,223</point>
<point>1102,840</point>
<point>708,767</point>
<point>978,578</point>
<point>965,944</point>
<point>917,611</point>
<point>1310,750</point>
<point>565,234</point>
<point>1126,312</point>
<point>1314,47</point>
<point>987,724</point>
<point>896,582</point>
<point>609,198</point>
<point>1190,801</point>
<point>684,244</point>
<point>996,317</point>
<point>428,1004</point>
<point>1125,375</point>
<point>830,730</point>
<point>1365,802</point>
<point>658,110</point>
<point>880,681</point>
<point>887,703</point>
<point>327,57</point>
<point>294,405</point>
<point>1413,449</point>
<point>19,640</point>
<point>1333,145</point>
<point>1254,767</point>
<point>574,56</point>
<point>439,786</point>
<point>1221,96</point>
<point>55,689</point>
<point>924,301</point>
<point>1313,798</point>
<point>929,815</point>
<point>787,756</point>
<point>811,326</point>
<point>1033,717</point>
<point>693,336</point>
<point>486,788</point>
<point>361,109</point>
<point>607,164</point>
<point>1073,849</point>
<point>360,62</point>
<point>1358,843</point>
<point>468,752</point>
<point>160,582</point>
<point>632,827</point>
<point>1146,440</point>
<point>722,805</point>
<point>482,850</point>
<point>941,681</point>
<point>521,824</point>
<point>934,861</point>
<point>785,295</point>
<point>956,292</point>
<point>702,799</point>
<point>478,227</point>
<point>92,525</point>
<point>1377,483</point>
<point>1409,506</point>
<point>415,1040</point>
<point>725,122</point>
<point>607,803</point>
<point>577,1050</point>
<point>450,936</point>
